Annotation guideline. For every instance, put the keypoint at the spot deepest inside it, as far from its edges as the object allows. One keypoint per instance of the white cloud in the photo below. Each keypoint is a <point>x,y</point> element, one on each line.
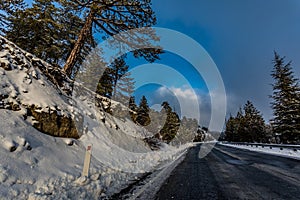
<point>188,100</point>
<point>195,104</point>
<point>183,92</point>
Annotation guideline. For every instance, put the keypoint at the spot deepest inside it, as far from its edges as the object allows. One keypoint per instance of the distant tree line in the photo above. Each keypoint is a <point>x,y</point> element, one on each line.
<point>249,126</point>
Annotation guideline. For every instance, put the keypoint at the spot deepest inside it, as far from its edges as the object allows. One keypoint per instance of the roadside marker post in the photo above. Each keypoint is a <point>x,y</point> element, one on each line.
<point>87,161</point>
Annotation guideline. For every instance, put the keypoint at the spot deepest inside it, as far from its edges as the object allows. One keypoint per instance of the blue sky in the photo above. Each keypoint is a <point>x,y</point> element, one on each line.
<point>240,36</point>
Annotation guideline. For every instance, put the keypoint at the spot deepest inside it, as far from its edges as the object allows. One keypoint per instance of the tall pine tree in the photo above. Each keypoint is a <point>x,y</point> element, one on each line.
<point>254,126</point>
<point>286,101</point>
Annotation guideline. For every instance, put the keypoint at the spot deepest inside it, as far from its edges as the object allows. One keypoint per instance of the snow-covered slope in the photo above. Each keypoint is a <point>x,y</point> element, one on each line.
<point>38,166</point>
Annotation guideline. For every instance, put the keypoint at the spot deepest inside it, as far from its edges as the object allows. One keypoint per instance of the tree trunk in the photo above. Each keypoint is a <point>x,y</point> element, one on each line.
<point>84,33</point>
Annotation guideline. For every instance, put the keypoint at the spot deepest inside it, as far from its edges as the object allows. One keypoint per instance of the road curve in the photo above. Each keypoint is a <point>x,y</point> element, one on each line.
<point>230,173</point>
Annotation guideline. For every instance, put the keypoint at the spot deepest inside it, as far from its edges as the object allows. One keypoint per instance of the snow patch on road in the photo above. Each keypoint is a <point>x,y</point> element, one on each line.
<point>279,151</point>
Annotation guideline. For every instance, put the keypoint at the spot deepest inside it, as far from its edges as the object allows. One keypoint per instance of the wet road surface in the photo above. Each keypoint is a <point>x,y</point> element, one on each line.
<point>230,173</point>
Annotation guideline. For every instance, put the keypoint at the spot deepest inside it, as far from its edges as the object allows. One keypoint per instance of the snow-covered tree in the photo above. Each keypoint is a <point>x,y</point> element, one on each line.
<point>286,101</point>
<point>187,132</point>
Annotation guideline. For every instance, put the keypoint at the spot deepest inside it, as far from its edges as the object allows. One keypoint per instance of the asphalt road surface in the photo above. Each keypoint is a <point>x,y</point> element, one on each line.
<point>229,173</point>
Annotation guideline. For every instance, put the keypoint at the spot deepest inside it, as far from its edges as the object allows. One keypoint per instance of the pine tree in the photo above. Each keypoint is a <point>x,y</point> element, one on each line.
<point>71,26</point>
<point>47,30</point>
<point>254,126</point>
<point>91,71</point>
<point>132,105</point>
<point>106,84</point>
<point>119,68</point>
<point>230,129</point>
<point>110,18</point>
<point>158,119</point>
<point>7,8</point>
<point>124,88</point>
<point>286,101</point>
<point>234,131</point>
<point>143,117</point>
<point>239,134</point>
<point>112,84</point>
<point>133,109</point>
<point>247,126</point>
<point>36,29</point>
<point>171,126</point>
<point>123,84</point>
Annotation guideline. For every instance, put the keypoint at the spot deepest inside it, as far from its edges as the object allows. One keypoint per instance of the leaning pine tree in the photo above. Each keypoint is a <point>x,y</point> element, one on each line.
<point>111,17</point>
<point>286,101</point>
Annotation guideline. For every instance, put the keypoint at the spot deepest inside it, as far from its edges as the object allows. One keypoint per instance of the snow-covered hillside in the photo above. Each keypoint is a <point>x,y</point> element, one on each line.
<point>36,165</point>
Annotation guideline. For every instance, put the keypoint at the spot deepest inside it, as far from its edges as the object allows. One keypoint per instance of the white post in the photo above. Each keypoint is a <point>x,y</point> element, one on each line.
<point>87,161</point>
